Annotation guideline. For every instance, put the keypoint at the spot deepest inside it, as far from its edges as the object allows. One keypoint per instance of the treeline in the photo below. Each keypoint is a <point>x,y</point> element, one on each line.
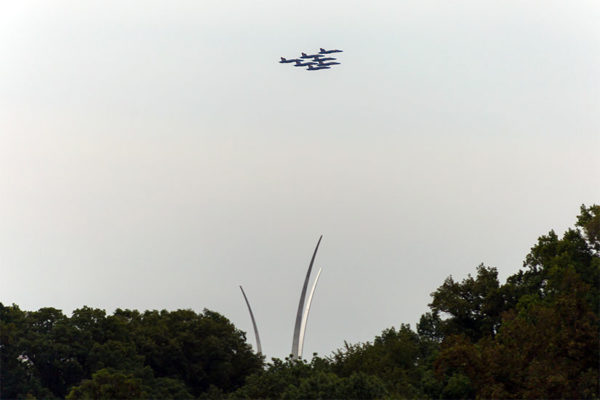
<point>535,336</point>
<point>179,354</point>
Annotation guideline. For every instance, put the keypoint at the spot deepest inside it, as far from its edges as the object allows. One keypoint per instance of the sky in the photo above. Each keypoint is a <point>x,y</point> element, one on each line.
<point>155,154</point>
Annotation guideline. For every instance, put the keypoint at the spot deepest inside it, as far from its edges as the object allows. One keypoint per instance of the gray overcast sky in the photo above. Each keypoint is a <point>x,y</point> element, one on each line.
<point>154,154</point>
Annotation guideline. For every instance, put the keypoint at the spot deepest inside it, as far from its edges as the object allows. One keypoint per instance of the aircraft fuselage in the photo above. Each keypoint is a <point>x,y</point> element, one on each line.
<point>323,51</point>
<point>304,55</point>
<point>301,64</point>
<point>288,60</point>
<point>318,67</point>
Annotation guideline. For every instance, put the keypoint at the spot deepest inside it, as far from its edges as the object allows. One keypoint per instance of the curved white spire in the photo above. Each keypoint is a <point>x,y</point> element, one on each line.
<point>258,346</point>
<point>305,316</point>
<point>296,338</point>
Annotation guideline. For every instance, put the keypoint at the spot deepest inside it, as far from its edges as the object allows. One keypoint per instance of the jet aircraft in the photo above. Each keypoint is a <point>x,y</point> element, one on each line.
<point>326,59</point>
<point>324,64</point>
<point>304,64</point>
<point>318,67</point>
<point>304,55</point>
<point>323,51</point>
<point>290,60</point>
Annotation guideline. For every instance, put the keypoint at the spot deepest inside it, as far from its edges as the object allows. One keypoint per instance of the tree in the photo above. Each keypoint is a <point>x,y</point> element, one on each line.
<point>18,377</point>
<point>173,354</point>
<point>473,306</point>
<point>202,350</point>
<point>546,343</point>
<point>108,384</point>
<point>327,385</point>
<point>547,348</point>
<point>400,358</point>
<point>589,221</point>
<point>298,379</point>
<point>551,255</point>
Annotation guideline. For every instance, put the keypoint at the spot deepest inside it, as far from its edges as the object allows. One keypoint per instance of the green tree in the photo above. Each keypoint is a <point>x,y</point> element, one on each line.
<point>47,343</point>
<point>201,349</point>
<point>474,306</point>
<point>327,385</point>
<point>589,221</point>
<point>546,348</point>
<point>278,376</point>
<point>18,375</point>
<point>299,379</point>
<point>108,384</point>
<point>577,249</point>
<point>458,387</point>
<point>168,388</point>
<point>399,358</point>
<point>115,354</point>
<point>546,342</point>
<point>173,354</point>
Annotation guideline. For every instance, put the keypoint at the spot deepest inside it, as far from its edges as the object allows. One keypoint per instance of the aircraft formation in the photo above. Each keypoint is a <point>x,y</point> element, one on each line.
<point>314,62</point>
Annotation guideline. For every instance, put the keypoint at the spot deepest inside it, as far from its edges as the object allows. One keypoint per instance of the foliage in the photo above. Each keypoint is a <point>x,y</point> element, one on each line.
<point>474,305</point>
<point>177,354</point>
<point>106,384</point>
<point>399,358</point>
<point>298,379</point>
<point>546,343</point>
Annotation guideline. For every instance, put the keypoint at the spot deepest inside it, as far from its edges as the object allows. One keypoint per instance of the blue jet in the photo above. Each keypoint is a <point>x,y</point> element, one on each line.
<point>324,64</point>
<point>311,68</point>
<point>323,51</point>
<point>304,64</point>
<point>290,60</point>
<point>304,55</point>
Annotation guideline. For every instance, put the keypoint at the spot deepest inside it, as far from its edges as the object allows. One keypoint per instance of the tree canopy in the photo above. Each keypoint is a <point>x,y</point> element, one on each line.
<point>162,354</point>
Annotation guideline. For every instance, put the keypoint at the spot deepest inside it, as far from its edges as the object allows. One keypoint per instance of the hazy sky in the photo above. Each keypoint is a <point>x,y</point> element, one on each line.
<point>154,154</point>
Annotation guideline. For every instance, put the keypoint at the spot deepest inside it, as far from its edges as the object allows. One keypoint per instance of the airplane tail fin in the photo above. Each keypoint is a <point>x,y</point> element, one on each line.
<point>304,54</point>
<point>322,49</point>
<point>282,59</point>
